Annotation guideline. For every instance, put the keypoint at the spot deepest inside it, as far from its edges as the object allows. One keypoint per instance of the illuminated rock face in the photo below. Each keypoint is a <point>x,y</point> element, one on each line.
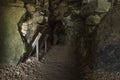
<point>11,45</point>
<point>103,6</point>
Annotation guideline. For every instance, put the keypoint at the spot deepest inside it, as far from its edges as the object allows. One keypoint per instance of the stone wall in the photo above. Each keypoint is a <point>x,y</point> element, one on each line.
<point>93,31</point>
<point>11,45</point>
<point>107,42</point>
<point>61,13</point>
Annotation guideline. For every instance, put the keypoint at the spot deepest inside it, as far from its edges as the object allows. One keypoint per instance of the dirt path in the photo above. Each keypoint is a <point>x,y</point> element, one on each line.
<point>59,64</point>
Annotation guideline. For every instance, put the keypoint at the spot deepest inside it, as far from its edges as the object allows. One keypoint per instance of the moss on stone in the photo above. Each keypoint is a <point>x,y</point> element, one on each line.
<point>11,45</point>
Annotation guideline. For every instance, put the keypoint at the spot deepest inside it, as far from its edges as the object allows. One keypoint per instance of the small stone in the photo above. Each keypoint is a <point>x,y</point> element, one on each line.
<point>93,20</point>
<point>18,73</point>
<point>28,60</point>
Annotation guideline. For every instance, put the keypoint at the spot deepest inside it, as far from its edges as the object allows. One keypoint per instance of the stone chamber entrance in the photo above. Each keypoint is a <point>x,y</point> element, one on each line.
<point>59,40</point>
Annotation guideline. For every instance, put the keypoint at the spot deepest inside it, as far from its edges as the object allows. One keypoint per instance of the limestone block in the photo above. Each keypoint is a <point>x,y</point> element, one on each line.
<point>103,6</point>
<point>11,45</point>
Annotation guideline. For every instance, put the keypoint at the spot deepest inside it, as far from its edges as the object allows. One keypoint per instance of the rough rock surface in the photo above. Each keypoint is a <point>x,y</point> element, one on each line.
<point>107,42</point>
<point>24,71</point>
<point>58,64</point>
<point>11,45</point>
